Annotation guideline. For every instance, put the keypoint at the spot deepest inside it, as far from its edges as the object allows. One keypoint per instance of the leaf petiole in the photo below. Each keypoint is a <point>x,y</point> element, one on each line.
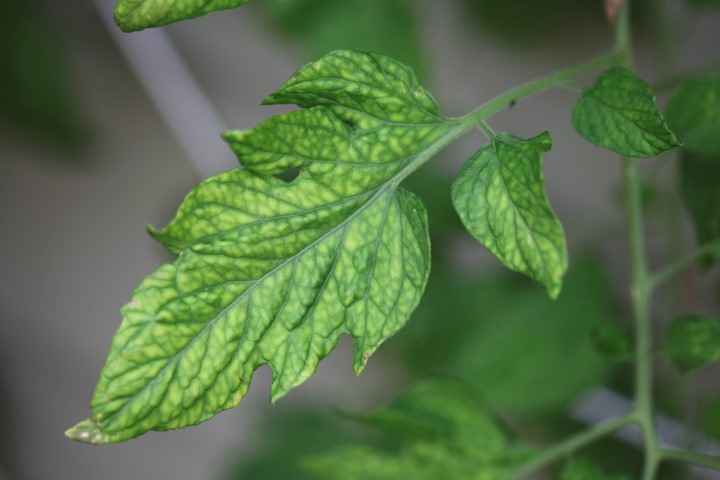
<point>681,264</point>
<point>572,444</point>
<point>541,84</point>
<point>699,459</point>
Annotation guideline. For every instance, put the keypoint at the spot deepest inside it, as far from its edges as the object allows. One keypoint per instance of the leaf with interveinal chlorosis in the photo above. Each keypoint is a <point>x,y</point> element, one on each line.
<point>693,341</point>
<point>619,112</point>
<point>444,430</point>
<point>500,197</point>
<point>700,192</point>
<point>134,15</point>
<point>580,468</point>
<point>711,419</point>
<point>273,273</point>
<point>693,113</point>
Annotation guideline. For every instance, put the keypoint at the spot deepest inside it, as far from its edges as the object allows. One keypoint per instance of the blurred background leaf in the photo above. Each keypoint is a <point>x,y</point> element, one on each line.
<point>612,342</point>
<point>36,93</point>
<point>711,419</point>
<point>704,3</point>
<point>693,113</point>
<point>446,431</point>
<point>583,469</point>
<point>380,26</point>
<point>528,22</point>
<point>528,354</point>
<point>283,440</point>
<point>700,191</point>
<point>693,341</point>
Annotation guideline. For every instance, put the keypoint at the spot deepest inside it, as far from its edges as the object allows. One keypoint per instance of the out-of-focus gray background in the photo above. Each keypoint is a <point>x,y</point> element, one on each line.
<point>72,222</point>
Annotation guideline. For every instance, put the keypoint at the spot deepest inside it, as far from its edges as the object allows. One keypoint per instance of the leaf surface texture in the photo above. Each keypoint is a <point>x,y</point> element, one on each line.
<point>134,15</point>
<point>272,272</point>
<point>619,113</point>
<point>500,197</point>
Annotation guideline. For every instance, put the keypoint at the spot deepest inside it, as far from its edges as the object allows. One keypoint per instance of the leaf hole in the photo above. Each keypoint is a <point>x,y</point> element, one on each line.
<point>288,175</point>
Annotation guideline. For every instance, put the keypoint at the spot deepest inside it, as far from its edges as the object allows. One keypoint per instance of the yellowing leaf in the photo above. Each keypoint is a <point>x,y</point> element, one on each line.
<point>133,15</point>
<point>272,272</point>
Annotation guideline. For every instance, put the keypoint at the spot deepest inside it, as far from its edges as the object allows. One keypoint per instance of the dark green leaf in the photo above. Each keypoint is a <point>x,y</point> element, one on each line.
<point>512,350</point>
<point>273,273</point>
<point>134,15</point>
<point>538,21</point>
<point>704,3</point>
<point>36,92</point>
<point>500,197</point>
<point>694,115</point>
<point>387,27</point>
<point>710,419</point>
<point>700,192</point>
<point>619,113</point>
<point>611,341</point>
<point>583,469</point>
<point>281,440</point>
<point>693,341</point>
<point>503,337</point>
<point>449,434</point>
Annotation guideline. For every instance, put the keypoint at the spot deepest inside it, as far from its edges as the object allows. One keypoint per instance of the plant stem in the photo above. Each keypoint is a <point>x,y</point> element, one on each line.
<point>698,459</point>
<point>572,444</point>
<point>541,84</point>
<point>681,264</point>
<point>641,289</point>
<point>641,292</point>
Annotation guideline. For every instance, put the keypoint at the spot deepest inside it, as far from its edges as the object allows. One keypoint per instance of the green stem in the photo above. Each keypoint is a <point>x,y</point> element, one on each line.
<point>572,444</point>
<point>641,292</point>
<point>641,289</point>
<point>541,84</point>
<point>681,264</point>
<point>485,128</point>
<point>707,461</point>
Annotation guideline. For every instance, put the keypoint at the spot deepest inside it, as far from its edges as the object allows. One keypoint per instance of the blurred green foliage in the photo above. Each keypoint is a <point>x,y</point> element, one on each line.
<point>36,93</point>
<point>710,419</point>
<point>611,341</point>
<point>379,26</point>
<point>444,430</point>
<point>693,341</point>
<point>283,440</point>
<point>583,469</point>
<point>528,354</point>
<point>693,113</point>
<point>700,191</point>
<point>527,22</point>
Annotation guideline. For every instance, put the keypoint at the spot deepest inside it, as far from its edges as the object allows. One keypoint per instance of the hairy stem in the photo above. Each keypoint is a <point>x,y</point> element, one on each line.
<point>572,444</point>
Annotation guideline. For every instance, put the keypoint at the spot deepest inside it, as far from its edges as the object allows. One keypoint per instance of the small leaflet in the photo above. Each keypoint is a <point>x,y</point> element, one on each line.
<point>619,113</point>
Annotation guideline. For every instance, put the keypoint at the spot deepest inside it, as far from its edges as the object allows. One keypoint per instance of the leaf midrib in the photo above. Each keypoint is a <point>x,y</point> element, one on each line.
<point>392,183</point>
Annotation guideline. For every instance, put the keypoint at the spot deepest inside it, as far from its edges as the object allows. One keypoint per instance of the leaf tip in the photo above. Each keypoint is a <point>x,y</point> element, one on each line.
<point>269,100</point>
<point>543,141</point>
<point>87,431</point>
<point>360,362</point>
